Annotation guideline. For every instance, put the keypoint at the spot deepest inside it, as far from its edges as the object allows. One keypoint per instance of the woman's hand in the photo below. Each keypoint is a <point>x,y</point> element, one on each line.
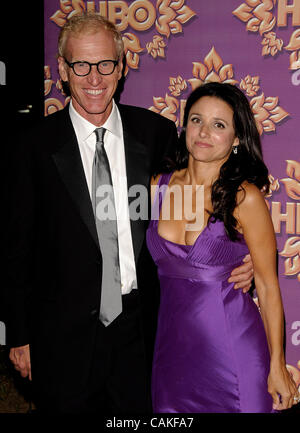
<point>282,387</point>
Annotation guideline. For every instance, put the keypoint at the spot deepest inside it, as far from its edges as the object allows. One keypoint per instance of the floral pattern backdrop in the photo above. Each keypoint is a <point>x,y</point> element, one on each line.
<point>171,47</point>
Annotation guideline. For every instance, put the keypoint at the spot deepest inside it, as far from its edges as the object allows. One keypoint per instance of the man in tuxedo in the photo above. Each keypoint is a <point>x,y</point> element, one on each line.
<point>77,359</point>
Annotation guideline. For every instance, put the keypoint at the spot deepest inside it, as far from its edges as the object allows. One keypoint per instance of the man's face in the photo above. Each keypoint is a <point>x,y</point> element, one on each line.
<point>92,94</point>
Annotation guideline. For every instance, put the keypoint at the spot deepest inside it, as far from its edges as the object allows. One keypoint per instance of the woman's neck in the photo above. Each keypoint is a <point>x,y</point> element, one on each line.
<point>202,173</point>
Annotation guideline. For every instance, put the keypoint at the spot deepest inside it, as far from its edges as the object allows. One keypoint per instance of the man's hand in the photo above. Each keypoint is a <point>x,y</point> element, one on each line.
<point>243,275</point>
<point>20,357</point>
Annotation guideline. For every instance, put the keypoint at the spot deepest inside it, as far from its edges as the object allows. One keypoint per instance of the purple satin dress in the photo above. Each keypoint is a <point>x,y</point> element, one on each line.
<point>211,352</point>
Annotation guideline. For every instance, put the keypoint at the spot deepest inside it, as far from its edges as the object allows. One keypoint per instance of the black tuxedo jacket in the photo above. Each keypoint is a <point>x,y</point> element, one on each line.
<point>54,260</point>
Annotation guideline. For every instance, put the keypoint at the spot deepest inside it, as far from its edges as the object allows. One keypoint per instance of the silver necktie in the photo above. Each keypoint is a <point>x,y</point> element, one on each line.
<point>106,223</point>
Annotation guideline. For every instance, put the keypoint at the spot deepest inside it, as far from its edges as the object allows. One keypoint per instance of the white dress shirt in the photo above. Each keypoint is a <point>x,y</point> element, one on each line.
<point>114,146</point>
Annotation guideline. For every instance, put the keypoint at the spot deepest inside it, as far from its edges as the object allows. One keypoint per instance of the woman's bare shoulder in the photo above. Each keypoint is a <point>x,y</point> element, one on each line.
<point>249,195</point>
<point>155,179</point>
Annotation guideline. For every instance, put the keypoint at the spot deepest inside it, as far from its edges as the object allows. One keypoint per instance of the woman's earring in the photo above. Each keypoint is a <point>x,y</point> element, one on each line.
<point>235,150</point>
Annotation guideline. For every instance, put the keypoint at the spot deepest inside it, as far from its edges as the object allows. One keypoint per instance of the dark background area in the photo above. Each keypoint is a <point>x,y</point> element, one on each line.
<point>21,105</point>
<point>21,98</point>
<point>22,50</point>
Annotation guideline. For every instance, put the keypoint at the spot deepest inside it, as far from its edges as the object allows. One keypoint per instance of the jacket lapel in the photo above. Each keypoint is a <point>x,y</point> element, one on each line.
<point>138,177</point>
<point>68,161</point>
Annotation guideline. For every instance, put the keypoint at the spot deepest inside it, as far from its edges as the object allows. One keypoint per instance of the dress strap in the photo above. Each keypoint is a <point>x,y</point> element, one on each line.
<point>161,189</point>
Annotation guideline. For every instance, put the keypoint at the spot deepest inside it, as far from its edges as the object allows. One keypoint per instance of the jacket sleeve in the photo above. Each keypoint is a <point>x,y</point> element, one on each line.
<point>19,244</point>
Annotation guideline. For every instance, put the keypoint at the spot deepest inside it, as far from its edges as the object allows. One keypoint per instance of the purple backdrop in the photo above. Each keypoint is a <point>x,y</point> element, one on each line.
<point>173,46</point>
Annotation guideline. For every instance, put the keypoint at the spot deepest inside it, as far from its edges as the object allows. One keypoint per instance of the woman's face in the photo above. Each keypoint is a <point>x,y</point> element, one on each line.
<point>210,133</point>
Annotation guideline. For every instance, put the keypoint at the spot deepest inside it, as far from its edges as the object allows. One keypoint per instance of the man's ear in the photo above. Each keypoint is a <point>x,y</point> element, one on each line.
<point>120,67</point>
<point>62,69</point>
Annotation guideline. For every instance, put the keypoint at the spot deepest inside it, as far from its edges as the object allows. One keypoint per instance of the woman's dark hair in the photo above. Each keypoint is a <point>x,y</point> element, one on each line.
<point>246,165</point>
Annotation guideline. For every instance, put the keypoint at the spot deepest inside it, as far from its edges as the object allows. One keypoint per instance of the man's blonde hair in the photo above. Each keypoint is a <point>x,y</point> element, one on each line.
<point>89,23</point>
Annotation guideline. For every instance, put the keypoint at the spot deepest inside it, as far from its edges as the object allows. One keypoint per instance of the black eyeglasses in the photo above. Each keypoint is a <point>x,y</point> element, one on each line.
<point>104,67</point>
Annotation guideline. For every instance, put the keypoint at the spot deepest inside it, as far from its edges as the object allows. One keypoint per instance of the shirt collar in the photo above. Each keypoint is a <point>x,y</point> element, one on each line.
<point>84,129</point>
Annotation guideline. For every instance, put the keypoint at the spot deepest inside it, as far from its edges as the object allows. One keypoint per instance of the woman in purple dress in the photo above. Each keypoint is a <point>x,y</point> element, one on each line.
<point>214,351</point>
